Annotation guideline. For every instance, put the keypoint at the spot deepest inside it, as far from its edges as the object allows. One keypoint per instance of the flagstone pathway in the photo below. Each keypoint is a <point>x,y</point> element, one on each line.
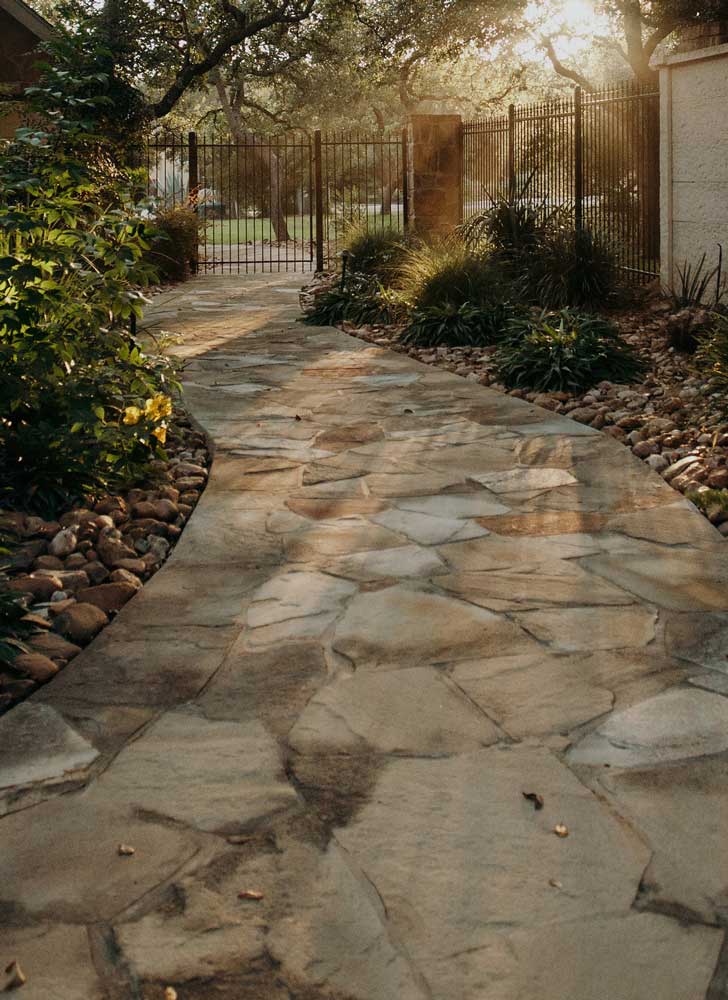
<point>404,603</point>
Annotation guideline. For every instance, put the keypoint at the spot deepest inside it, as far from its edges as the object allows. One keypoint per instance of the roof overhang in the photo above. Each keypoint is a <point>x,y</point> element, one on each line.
<point>26,16</point>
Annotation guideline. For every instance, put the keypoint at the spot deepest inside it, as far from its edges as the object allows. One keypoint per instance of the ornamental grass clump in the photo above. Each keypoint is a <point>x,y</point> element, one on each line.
<point>83,404</point>
<point>711,356</point>
<point>448,274</point>
<point>564,352</point>
<point>376,252</point>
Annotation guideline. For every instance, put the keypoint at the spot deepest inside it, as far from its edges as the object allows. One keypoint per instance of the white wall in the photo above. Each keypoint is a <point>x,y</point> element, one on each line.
<point>694,158</point>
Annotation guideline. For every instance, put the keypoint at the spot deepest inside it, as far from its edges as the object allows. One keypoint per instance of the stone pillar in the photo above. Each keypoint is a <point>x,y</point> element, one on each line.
<point>435,164</point>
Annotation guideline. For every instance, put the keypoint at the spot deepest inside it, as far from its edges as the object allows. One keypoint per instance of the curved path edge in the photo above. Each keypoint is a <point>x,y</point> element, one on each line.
<point>429,703</point>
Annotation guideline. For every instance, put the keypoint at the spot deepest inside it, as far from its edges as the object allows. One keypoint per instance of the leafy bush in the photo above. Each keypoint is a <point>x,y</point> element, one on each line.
<point>374,252</point>
<point>362,300</point>
<point>692,285</point>
<point>711,357</point>
<point>81,404</point>
<point>13,630</point>
<point>448,274</point>
<point>569,268</point>
<point>455,326</point>
<point>564,352</point>
<point>175,242</point>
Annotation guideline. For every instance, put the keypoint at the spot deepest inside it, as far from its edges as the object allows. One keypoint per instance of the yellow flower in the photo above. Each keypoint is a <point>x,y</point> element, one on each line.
<point>160,433</point>
<point>132,415</point>
<point>158,407</point>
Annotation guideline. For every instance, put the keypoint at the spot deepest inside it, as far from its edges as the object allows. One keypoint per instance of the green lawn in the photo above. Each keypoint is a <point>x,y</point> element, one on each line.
<point>245,230</point>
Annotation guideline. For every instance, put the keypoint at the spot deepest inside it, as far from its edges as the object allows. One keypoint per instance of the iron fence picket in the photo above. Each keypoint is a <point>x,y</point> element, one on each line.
<point>594,155</point>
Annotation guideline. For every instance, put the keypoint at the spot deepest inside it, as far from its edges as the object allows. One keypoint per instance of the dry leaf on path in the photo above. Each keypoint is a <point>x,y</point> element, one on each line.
<point>561,830</point>
<point>535,798</point>
<point>170,993</point>
<point>17,977</point>
<point>125,850</point>
<point>250,894</point>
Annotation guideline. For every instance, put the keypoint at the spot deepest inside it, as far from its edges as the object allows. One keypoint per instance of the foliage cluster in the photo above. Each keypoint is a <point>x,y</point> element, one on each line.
<point>14,629</point>
<point>711,357</point>
<point>563,352</point>
<point>82,405</point>
<point>377,252</point>
<point>175,247</point>
<point>510,279</point>
<point>363,299</point>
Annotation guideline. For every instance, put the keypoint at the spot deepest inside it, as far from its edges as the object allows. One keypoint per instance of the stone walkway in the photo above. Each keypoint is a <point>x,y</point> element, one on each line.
<point>403,603</point>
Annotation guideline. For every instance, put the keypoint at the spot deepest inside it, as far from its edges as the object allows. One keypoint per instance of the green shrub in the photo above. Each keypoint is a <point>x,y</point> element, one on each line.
<point>564,352</point>
<point>82,406</point>
<point>448,274</point>
<point>13,630</point>
<point>569,268</point>
<point>362,300</point>
<point>455,326</point>
<point>175,242</point>
<point>374,252</point>
<point>711,357</point>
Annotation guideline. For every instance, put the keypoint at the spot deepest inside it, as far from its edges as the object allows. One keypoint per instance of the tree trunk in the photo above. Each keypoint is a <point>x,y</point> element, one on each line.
<point>263,154</point>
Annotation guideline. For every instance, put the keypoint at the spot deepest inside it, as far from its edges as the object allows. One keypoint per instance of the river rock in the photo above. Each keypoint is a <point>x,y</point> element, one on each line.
<point>63,544</point>
<point>36,666</point>
<point>81,623</point>
<point>109,597</point>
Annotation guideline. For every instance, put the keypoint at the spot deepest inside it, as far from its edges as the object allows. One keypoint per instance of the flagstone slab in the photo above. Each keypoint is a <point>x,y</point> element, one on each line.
<point>682,581</point>
<point>65,865</point>
<point>674,725</point>
<point>416,626</point>
<point>593,959</point>
<point>667,804</point>
<point>510,590</point>
<point>403,711</point>
<point>405,562</point>
<point>56,961</point>
<point>526,479</point>
<point>572,629</point>
<point>454,506</point>
<point>487,853</point>
<point>232,779</point>
<point>60,754</point>
<point>428,530</point>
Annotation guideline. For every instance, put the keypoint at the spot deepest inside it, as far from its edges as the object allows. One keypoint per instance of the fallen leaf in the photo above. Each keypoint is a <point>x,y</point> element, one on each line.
<point>17,977</point>
<point>170,993</point>
<point>250,894</point>
<point>561,830</point>
<point>409,411</point>
<point>297,417</point>
<point>238,838</point>
<point>555,883</point>
<point>125,850</point>
<point>535,798</point>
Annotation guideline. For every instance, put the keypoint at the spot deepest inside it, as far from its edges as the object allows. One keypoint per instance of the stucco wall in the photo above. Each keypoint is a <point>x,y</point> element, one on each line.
<point>694,158</point>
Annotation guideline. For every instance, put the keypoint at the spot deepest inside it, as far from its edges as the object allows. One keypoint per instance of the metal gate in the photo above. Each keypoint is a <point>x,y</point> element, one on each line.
<point>279,203</point>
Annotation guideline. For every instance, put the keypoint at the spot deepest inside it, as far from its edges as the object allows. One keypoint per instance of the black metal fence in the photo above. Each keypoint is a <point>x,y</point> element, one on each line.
<point>593,157</point>
<point>279,203</point>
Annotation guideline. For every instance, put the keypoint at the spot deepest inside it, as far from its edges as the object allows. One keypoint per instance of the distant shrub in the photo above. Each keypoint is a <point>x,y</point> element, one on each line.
<point>375,252</point>
<point>565,352</point>
<point>465,325</point>
<point>175,243</point>
<point>448,274</point>
<point>569,268</point>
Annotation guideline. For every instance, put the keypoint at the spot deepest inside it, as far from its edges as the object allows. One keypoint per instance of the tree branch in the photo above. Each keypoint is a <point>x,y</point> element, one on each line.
<point>562,70</point>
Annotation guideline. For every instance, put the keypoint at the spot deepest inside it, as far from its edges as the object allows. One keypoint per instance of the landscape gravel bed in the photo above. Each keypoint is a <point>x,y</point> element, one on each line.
<point>75,573</point>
